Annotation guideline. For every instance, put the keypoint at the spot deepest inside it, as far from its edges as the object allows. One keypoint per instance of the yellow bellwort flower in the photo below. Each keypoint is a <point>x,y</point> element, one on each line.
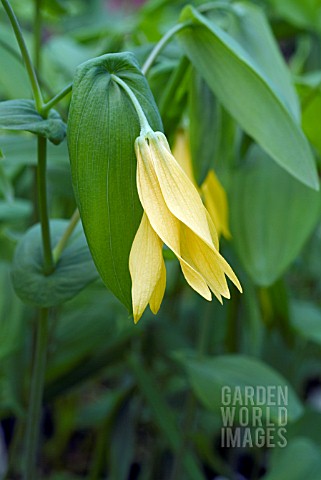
<point>175,215</point>
<point>212,191</point>
<point>215,200</point>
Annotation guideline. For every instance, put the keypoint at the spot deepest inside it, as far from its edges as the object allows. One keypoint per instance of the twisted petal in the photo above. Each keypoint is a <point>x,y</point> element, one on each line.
<point>146,266</point>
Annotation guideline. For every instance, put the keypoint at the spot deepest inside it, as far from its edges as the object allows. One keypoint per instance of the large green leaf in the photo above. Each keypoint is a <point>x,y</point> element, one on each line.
<point>74,269</point>
<point>250,28</point>
<point>14,211</point>
<point>102,129</point>
<point>22,115</point>
<point>309,88</point>
<point>301,459</point>
<point>20,150</point>
<point>248,93</point>
<point>14,80</point>
<point>88,323</point>
<point>272,216</point>
<point>13,329</point>
<point>306,320</point>
<point>208,376</point>
<point>302,13</point>
<point>305,425</point>
<point>6,188</point>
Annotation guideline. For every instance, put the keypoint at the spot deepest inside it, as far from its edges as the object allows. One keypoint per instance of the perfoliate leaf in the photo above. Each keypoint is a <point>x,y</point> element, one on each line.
<point>74,269</point>
<point>272,215</point>
<point>22,115</point>
<point>250,96</point>
<point>102,129</point>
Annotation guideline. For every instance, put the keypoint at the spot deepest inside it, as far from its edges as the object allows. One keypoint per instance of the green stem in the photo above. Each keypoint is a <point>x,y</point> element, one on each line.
<point>43,206</point>
<point>47,106</point>
<point>160,46</point>
<point>57,251</point>
<point>37,33</point>
<point>36,393</point>
<point>144,125</point>
<point>25,55</point>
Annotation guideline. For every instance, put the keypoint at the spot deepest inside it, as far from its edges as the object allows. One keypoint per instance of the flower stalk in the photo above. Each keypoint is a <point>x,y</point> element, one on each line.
<point>144,125</point>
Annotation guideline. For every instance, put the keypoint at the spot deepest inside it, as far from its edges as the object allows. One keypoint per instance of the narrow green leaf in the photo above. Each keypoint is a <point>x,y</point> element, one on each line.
<point>248,94</point>
<point>73,272</point>
<point>204,122</point>
<point>22,115</point>
<point>272,216</point>
<point>163,416</point>
<point>121,451</point>
<point>102,129</point>
<point>208,376</point>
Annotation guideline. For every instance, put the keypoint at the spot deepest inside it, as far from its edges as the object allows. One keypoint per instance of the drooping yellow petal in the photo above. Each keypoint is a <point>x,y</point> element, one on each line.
<point>182,153</point>
<point>204,259</point>
<point>165,224</point>
<point>216,203</point>
<point>210,263</point>
<point>176,213</point>
<point>146,265</point>
<point>180,195</point>
<point>158,293</point>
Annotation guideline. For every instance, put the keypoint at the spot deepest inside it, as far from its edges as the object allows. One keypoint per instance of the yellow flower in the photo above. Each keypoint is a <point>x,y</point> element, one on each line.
<point>182,153</point>
<point>212,191</point>
<point>175,215</point>
<point>215,200</point>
